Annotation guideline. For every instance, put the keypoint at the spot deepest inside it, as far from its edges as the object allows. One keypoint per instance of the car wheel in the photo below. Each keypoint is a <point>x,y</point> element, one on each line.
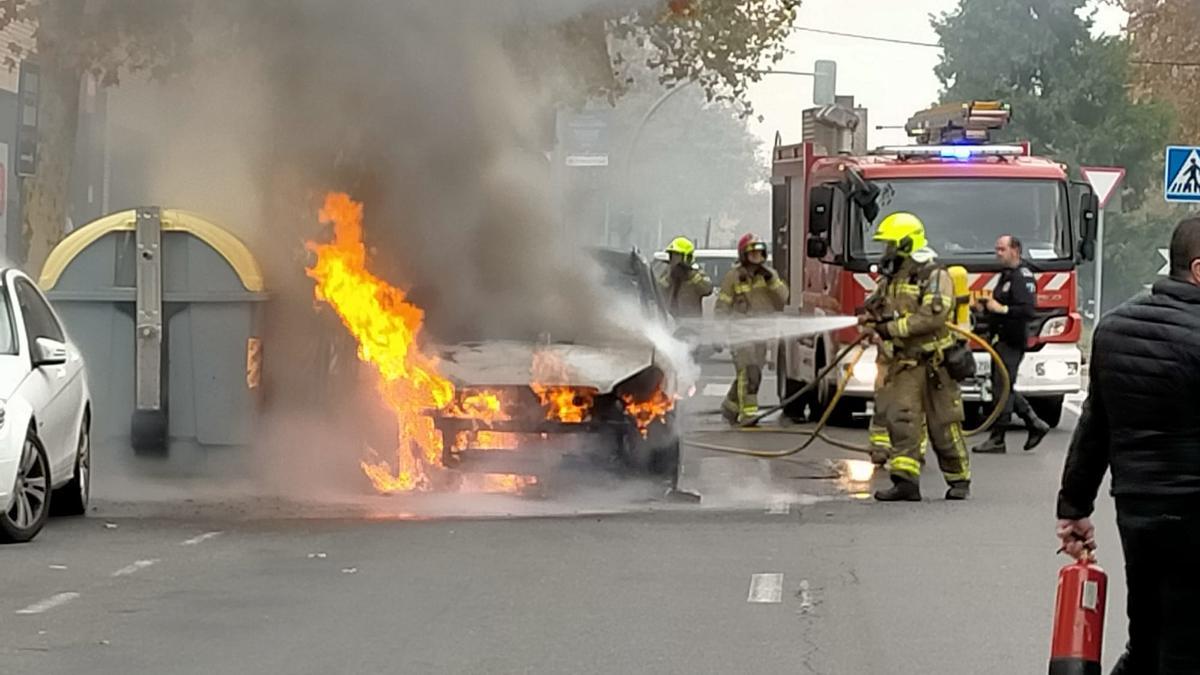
<point>72,498</point>
<point>31,499</point>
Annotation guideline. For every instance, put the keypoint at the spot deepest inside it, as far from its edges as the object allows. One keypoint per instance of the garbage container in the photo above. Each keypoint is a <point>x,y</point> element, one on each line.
<point>166,307</point>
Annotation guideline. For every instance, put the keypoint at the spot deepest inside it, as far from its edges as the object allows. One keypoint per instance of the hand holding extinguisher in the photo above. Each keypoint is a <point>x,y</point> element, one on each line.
<point>1078,637</point>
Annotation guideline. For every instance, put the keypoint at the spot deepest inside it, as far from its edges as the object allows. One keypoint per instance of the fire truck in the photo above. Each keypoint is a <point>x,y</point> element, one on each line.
<point>968,191</point>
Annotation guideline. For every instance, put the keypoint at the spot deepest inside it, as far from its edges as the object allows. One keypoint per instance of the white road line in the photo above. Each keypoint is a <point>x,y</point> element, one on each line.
<point>196,540</point>
<point>715,390</point>
<point>136,566</point>
<point>1073,408</point>
<point>766,588</point>
<point>49,603</point>
<point>779,508</point>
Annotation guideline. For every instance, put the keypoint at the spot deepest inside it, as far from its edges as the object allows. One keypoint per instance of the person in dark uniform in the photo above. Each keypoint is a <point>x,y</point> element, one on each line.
<point>1009,312</point>
<point>1141,422</point>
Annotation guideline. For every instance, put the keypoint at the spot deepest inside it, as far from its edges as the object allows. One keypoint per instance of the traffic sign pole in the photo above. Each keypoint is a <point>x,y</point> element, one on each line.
<point>1099,262</point>
<point>1104,180</point>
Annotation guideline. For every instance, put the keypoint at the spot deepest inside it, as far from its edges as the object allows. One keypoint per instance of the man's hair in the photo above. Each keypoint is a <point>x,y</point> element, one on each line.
<point>1185,247</point>
<point>1015,243</point>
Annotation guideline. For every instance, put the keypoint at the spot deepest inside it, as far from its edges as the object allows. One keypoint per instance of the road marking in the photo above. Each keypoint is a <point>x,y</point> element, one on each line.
<point>49,603</point>
<point>196,540</point>
<point>136,566</point>
<point>1073,408</point>
<point>779,508</point>
<point>715,390</point>
<point>766,588</point>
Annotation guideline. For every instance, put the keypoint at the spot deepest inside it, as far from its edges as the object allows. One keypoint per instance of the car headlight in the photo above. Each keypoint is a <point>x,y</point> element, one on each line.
<point>1055,327</point>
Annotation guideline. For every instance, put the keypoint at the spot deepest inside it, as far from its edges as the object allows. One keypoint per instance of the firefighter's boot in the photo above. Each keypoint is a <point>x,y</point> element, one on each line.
<point>959,490</point>
<point>1037,431</point>
<point>902,490</point>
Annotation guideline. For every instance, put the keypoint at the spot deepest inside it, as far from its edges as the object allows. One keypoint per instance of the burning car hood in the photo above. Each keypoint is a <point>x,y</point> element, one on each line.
<point>500,363</point>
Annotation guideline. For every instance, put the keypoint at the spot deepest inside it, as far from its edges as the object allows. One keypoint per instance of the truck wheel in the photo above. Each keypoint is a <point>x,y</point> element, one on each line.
<point>1048,408</point>
<point>843,414</point>
<point>797,410</point>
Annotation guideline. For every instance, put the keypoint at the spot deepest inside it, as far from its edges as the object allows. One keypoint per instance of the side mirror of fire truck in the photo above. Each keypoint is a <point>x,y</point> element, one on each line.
<point>820,219</point>
<point>1089,212</point>
<point>820,209</point>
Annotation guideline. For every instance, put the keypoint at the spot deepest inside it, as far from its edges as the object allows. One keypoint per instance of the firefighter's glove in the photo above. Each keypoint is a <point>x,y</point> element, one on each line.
<point>765,272</point>
<point>881,329</point>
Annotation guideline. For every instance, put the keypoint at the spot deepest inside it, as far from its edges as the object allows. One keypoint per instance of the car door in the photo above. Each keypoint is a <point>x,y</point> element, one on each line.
<point>51,390</point>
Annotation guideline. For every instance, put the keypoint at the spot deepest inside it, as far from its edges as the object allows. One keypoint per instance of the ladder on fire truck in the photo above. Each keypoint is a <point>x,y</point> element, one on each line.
<point>952,123</point>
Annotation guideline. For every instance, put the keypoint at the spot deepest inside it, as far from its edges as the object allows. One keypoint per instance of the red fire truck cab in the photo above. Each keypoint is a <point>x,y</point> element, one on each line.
<point>968,192</point>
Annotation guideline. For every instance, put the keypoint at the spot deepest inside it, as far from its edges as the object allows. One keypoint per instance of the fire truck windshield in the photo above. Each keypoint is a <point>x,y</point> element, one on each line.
<point>964,216</point>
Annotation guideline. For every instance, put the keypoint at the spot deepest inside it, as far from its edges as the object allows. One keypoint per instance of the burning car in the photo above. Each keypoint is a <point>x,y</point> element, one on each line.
<point>500,414</point>
<point>524,407</point>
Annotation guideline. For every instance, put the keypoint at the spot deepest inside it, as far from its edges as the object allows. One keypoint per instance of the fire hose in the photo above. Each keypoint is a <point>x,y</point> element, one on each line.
<point>818,432</point>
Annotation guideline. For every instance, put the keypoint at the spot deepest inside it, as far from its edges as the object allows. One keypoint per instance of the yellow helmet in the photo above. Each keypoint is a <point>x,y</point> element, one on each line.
<point>904,230</point>
<point>683,246</point>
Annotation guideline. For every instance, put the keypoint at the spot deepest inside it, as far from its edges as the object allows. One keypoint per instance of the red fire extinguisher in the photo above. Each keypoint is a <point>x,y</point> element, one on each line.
<point>1079,618</point>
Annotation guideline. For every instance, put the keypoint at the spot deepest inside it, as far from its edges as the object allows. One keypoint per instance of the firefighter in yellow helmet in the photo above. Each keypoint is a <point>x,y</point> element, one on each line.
<point>683,284</point>
<point>752,288</point>
<point>916,396</point>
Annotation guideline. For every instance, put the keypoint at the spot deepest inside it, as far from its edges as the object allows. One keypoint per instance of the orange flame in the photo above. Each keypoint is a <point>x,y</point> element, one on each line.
<point>484,406</point>
<point>645,413</point>
<point>498,482</point>
<point>387,328</point>
<point>563,403</point>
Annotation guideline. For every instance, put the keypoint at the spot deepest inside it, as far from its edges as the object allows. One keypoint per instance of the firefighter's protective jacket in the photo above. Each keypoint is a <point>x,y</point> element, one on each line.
<point>685,292</point>
<point>918,301</point>
<point>751,292</point>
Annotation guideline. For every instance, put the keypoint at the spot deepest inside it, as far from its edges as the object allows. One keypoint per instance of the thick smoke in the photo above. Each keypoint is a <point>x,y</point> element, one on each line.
<point>416,108</point>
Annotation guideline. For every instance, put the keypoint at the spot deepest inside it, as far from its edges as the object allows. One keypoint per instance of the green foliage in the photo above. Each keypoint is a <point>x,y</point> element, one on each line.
<point>720,44</point>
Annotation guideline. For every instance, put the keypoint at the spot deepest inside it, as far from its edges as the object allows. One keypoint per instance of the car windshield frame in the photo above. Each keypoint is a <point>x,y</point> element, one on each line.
<point>966,207</point>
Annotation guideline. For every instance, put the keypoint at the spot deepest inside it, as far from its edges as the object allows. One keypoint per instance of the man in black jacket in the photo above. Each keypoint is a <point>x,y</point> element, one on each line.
<point>1142,419</point>
<point>1009,312</point>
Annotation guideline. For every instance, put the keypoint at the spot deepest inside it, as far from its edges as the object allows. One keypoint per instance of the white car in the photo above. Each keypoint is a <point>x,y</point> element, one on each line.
<point>45,412</point>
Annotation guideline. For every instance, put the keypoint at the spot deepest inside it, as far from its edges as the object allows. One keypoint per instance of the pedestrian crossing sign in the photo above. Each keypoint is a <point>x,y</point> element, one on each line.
<point>1181,182</point>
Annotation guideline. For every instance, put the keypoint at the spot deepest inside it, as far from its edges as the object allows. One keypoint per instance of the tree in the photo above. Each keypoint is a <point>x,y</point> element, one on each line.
<point>1165,39</point>
<point>73,38</point>
<point>1067,89</point>
<point>722,45</point>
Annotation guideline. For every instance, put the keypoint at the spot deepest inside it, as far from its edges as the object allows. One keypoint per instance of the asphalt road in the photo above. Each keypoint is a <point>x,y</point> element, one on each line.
<point>779,569</point>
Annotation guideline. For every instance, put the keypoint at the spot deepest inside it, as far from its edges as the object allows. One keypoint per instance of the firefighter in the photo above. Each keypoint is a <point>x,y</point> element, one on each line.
<point>683,282</point>
<point>752,288</point>
<point>917,397</point>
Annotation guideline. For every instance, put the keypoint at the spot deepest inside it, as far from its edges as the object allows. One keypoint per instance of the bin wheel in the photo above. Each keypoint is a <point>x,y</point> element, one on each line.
<point>148,433</point>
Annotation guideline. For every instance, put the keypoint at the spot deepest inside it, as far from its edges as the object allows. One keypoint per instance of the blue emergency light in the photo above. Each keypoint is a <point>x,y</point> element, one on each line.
<point>954,152</point>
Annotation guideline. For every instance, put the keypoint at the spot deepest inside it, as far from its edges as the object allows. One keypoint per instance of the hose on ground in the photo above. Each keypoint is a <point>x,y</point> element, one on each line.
<point>818,432</point>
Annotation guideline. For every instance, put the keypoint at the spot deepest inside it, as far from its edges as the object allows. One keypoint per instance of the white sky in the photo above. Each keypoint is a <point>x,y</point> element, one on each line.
<point>891,80</point>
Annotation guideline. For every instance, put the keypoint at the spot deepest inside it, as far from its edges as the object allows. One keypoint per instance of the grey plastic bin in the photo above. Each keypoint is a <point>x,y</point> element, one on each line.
<point>166,307</point>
